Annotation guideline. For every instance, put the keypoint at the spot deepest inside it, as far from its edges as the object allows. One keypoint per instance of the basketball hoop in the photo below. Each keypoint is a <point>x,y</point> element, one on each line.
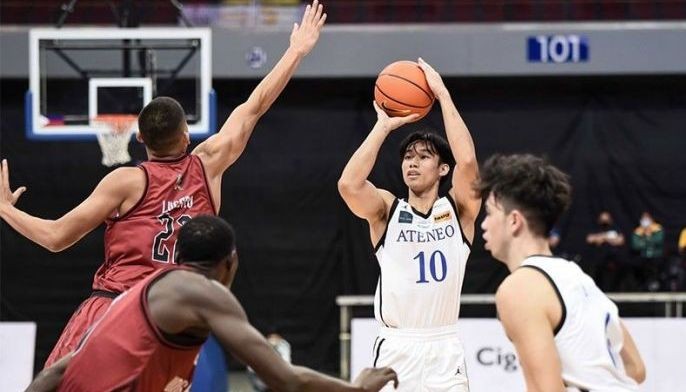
<point>114,134</point>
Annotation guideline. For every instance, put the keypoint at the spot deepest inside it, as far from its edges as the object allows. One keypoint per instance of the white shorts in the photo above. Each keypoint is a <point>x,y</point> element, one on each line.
<point>426,360</point>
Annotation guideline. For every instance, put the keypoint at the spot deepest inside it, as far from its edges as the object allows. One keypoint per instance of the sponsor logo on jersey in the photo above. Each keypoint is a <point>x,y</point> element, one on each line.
<point>405,217</point>
<point>442,217</point>
<point>179,180</point>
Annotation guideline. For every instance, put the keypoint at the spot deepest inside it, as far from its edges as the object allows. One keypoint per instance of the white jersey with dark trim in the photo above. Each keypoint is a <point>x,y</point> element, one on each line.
<point>589,338</point>
<point>422,259</point>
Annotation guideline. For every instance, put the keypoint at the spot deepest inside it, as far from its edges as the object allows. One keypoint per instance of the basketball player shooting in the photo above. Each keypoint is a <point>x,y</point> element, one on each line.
<point>421,244</point>
<point>143,207</point>
<point>568,334</point>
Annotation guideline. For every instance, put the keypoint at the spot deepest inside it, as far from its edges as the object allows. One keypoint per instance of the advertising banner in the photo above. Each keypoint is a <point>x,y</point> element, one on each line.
<point>492,360</point>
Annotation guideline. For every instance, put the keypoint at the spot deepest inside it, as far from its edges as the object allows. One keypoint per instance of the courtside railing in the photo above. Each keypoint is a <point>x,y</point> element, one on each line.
<point>673,302</point>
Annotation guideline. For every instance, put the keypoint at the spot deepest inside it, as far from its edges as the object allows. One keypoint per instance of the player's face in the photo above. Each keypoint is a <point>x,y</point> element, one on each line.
<point>494,227</point>
<point>421,167</point>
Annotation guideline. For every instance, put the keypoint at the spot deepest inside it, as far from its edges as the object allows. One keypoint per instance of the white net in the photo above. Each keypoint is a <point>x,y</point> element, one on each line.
<point>114,134</point>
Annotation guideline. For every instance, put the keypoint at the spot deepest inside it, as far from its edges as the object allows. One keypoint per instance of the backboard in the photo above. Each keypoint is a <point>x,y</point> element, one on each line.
<point>77,74</point>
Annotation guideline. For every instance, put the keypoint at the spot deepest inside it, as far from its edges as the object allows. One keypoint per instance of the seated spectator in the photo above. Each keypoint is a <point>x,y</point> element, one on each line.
<point>675,274</point>
<point>648,242</point>
<point>610,266</point>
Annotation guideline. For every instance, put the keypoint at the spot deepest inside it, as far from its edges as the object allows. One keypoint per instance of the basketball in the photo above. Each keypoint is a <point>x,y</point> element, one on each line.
<point>401,89</point>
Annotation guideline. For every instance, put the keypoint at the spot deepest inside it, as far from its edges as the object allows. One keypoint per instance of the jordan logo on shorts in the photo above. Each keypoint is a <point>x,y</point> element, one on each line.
<point>459,370</point>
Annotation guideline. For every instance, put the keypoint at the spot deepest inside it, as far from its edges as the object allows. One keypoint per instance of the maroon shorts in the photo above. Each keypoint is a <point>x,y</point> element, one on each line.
<point>89,312</point>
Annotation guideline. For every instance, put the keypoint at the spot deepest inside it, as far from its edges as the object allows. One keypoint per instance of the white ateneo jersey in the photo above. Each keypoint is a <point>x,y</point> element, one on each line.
<point>422,259</point>
<point>589,338</point>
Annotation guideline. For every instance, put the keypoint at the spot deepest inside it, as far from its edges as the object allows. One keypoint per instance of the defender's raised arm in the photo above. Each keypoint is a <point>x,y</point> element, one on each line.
<point>221,150</point>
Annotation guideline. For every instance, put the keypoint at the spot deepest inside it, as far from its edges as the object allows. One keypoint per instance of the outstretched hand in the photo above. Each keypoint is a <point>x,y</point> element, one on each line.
<point>374,379</point>
<point>306,34</point>
<point>433,78</point>
<point>392,123</point>
<point>6,195</point>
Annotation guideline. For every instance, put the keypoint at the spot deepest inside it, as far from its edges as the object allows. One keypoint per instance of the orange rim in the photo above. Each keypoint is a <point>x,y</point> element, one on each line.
<point>116,122</point>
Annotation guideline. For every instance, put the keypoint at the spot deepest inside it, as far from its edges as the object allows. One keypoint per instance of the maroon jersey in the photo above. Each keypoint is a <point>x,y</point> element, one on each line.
<point>144,238</point>
<point>126,351</point>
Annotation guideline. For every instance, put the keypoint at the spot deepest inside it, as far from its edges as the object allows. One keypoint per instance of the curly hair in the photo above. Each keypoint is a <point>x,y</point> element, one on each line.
<point>527,183</point>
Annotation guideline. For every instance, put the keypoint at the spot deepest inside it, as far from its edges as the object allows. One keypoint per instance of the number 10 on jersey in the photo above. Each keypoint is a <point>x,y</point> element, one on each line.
<point>438,267</point>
